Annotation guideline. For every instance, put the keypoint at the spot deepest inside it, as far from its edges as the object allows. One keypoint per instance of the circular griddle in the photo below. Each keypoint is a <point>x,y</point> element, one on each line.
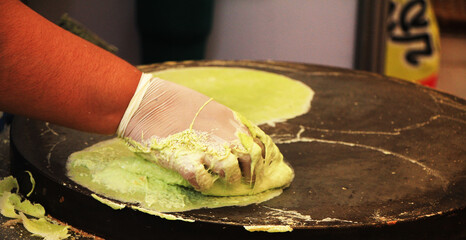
<point>374,158</point>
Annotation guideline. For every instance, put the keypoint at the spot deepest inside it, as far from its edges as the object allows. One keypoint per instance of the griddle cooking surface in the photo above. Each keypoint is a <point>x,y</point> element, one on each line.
<point>372,151</point>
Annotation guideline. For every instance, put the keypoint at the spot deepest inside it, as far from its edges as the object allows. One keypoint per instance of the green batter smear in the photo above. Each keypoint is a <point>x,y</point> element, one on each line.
<point>125,170</point>
<point>262,97</point>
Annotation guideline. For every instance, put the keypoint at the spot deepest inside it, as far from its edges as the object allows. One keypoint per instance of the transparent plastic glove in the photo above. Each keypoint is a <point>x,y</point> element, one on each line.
<point>161,108</point>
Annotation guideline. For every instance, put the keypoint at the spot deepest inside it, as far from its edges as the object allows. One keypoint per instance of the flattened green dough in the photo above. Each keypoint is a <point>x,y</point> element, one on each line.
<point>128,174</point>
<point>260,96</point>
<point>112,170</point>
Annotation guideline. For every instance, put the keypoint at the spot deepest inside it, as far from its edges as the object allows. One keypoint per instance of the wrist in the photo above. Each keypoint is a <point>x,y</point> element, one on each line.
<point>134,103</point>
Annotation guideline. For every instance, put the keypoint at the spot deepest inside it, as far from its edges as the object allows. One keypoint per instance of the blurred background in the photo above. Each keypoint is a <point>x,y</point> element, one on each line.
<point>418,40</point>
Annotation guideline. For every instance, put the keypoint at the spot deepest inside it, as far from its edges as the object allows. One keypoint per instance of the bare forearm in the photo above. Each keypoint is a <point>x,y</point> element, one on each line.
<point>50,74</point>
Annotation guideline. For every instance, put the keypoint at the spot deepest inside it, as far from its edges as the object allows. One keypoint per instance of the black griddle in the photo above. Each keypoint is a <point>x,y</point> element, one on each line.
<point>375,157</point>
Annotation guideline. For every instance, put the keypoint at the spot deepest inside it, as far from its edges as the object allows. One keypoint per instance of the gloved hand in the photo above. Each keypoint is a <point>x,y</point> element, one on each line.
<point>161,108</point>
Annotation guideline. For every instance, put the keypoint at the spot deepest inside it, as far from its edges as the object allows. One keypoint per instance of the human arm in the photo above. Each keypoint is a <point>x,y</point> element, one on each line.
<point>49,74</point>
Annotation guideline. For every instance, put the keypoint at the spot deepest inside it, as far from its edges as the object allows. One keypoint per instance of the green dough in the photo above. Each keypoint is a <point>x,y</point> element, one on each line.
<point>12,205</point>
<point>262,97</point>
<point>43,228</point>
<point>125,171</point>
<point>112,170</point>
